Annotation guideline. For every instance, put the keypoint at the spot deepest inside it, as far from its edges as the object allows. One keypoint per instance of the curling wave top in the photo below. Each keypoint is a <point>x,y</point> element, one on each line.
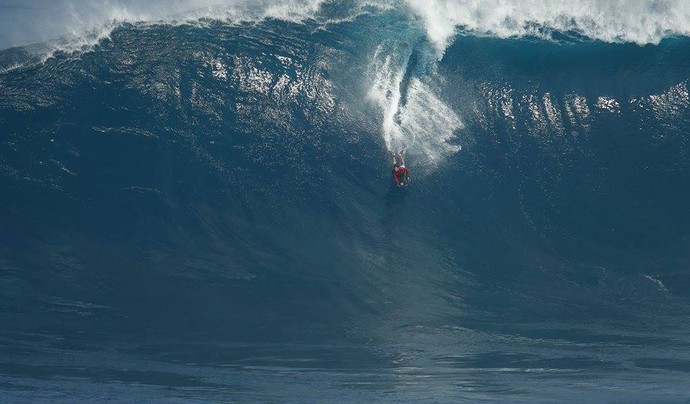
<point>636,21</point>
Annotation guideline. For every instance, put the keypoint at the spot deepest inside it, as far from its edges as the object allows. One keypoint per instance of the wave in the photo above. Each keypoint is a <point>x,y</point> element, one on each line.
<point>399,70</point>
<point>424,33</point>
<point>228,182</point>
<point>641,21</point>
<point>299,79</point>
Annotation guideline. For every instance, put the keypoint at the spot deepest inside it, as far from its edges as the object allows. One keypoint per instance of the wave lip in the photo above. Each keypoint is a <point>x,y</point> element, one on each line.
<point>77,20</point>
<point>639,21</point>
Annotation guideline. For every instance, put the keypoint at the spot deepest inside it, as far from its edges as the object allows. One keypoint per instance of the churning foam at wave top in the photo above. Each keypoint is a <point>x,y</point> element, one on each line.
<point>31,21</point>
<point>637,21</point>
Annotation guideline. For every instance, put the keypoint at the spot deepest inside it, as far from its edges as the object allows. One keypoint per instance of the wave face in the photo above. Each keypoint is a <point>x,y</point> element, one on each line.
<point>202,209</point>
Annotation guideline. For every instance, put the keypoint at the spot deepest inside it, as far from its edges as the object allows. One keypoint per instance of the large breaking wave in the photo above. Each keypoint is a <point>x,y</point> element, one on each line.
<point>196,198</point>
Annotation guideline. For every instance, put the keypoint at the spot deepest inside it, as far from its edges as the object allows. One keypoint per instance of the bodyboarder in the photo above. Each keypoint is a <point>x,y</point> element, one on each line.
<point>401,174</point>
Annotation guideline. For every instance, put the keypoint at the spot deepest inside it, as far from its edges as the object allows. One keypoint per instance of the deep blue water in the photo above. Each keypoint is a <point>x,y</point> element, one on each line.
<point>204,212</point>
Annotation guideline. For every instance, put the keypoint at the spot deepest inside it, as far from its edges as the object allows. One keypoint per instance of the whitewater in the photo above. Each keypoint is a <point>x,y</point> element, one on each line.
<point>197,202</point>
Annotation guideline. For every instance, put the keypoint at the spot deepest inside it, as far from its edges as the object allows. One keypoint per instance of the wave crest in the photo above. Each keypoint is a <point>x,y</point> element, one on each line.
<point>638,21</point>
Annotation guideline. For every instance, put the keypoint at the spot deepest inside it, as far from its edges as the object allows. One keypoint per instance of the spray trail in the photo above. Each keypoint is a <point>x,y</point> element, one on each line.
<point>414,118</point>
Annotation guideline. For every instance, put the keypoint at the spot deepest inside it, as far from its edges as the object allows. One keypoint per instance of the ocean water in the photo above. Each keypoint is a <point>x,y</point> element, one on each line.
<point>196,202</point>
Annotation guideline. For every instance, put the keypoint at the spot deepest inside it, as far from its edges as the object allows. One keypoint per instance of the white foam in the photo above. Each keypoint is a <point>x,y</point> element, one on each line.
<point>423,125</point>
<point>9,68</point>
<point>76,25</point>
<point>670,103</point>
<point>553,112</point>
<point>657,283</point>
<point>427,125</point>
<point>637,21</point>
<point>577,110</point>
<point>608,104</point>
<point>385,92</point>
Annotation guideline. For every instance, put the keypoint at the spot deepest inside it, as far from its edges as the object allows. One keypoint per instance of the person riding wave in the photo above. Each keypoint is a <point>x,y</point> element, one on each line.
<point>401,174</point>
